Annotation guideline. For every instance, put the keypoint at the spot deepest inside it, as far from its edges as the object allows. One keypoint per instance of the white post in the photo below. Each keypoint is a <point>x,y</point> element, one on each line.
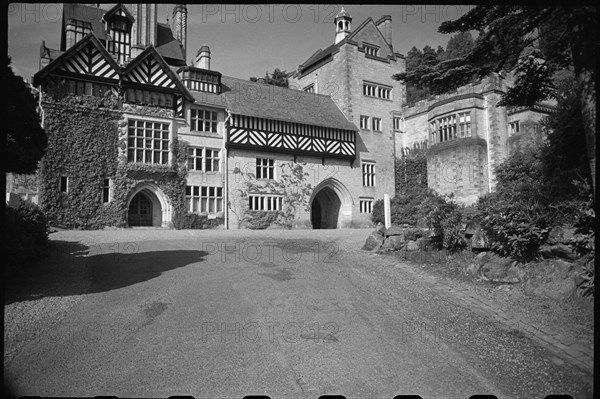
<point>387,211</point>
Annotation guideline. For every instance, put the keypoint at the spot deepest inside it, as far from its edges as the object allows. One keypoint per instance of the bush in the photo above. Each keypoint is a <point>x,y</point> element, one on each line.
<point>413,234</point>
<point>515,228</point>
<point>26,236</point>
<point>444,217</point>
<point>259,220</point>
<point>194,221</point>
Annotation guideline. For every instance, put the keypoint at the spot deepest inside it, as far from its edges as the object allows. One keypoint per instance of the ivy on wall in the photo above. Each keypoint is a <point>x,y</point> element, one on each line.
<point>291,185</point>
<point>87,142</point>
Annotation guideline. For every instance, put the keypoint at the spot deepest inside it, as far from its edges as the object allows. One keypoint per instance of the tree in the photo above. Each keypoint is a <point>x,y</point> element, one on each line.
<point>25,139</point>
<point>458,46</point>
<point>277,78</point>
<point>534,42</point>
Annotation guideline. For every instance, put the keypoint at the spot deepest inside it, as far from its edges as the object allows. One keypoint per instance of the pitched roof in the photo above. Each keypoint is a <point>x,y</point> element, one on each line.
<point>80,12</point>
<point>90,38</point>
<point>166,44</point>
<point>245,97</point>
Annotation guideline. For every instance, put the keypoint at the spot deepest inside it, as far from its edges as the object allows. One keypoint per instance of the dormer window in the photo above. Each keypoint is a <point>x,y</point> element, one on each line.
<point>118,24</point>
<point>198,79</point>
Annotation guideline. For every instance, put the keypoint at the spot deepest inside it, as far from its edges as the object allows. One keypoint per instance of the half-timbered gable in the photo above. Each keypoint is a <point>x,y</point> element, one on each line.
<point>148,73</point>
<point>87,59</point>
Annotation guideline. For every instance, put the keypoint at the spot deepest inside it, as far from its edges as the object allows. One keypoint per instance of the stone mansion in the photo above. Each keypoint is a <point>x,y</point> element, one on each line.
<point>137,136</point>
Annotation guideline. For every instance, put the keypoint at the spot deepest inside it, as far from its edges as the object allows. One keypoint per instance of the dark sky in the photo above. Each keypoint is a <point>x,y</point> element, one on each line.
<point>245,40</point>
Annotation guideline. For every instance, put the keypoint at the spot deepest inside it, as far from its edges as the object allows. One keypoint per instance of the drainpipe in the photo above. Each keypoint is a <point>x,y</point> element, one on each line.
<point>487,138</point>
<point>226,156</point>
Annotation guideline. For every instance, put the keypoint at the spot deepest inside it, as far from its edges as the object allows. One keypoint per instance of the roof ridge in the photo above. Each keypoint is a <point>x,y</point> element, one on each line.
<point>281,87</point>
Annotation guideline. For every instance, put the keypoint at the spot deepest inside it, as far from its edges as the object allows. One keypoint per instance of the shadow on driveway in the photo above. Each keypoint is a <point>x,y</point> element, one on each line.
<point>71,268</point>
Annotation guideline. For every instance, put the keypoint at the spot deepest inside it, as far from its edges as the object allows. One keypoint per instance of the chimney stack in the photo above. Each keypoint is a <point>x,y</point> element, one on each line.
<point>180,26</point>
<point>385,27</point>
<point>203,58</point>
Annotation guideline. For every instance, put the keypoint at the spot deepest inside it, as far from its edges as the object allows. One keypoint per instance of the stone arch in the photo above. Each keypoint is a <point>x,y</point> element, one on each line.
<point>331,205</point>
<point>161,206</point>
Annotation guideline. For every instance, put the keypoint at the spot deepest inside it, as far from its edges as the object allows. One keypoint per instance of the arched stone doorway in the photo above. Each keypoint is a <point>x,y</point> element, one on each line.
<point>331,205</point>
<point>140,210</point>
<point>148,206</point>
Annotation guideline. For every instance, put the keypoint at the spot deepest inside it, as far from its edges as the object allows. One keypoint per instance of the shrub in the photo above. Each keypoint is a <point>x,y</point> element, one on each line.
<point>194,221</point>
<point>413,234</point>
<point>515,228</point>
<point>26,236</point>
<point>443,216</point>
<point>259,220</point>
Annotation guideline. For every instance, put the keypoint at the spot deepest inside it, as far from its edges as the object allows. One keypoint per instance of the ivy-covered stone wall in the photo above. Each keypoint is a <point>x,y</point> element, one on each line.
<point>87,142</point>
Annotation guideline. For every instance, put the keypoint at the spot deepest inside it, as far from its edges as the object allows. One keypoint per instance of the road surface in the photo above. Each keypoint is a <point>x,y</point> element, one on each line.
<point>289,314</point>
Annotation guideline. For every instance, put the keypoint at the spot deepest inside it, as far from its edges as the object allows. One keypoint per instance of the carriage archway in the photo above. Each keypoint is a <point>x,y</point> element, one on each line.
<point>331,205</point>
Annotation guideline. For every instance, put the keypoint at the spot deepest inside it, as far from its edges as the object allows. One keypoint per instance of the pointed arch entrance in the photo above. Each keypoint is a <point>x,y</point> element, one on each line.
<point>330,205</point>
<point>147,205</point>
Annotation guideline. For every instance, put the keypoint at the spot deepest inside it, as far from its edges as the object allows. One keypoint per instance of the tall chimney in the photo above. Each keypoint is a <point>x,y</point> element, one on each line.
<point>385,27</point>
<point>143,30</point>
<point>180,26</point>
<point>203,58</point>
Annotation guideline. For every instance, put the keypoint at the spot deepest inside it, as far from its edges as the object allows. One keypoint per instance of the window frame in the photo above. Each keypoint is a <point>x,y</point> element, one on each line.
<point>196,121</point>
<point>376,121</point>
<point>260,168</point>
<point>164,153</point>
<point>368,173</point>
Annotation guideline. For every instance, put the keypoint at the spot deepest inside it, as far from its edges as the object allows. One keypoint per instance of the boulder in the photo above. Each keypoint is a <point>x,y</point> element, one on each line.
<point>560,235</point>
<point>373,242</point>
<point>480,260</point>
<point>557,251</point>
<point>479,241</point>
<point>412,246</point>
<point>471,227</point>
<point>394,231</point>
<point>394,243</point>
<point>380,229</point>
<point>499,270</point>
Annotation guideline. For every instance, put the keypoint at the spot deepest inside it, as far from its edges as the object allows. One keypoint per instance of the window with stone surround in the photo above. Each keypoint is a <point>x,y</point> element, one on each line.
<point>371,50</point>
<point>202,120</point>
<point>377,124</point>
<point>364,122</point>
<point>203,159</point>
<point>368,172</point>
<point>450,127</point>
<point>513,128</point>
<point>377,90</point>
<point>265,202</point>
<point>265,168</point>
<point>366,205</point>
<point>204,199</point>
<point>148,142</point>
<point>397,121</point>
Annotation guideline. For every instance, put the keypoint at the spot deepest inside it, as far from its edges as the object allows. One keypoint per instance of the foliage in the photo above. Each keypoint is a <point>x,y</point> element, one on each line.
<point>291,185</point>
<point>411,189</point>
<point>194,221</point>
<point>515,227</point>
<point>413,234</point>
<point>259,220</point>
<point>459,45</point>
<point>26,235</point>
<point>94,128</point>
<point>443,216</point>
<point>277,78</point>
<point>25,139</point>
<point>508,41</point>
<point>564,157</point>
